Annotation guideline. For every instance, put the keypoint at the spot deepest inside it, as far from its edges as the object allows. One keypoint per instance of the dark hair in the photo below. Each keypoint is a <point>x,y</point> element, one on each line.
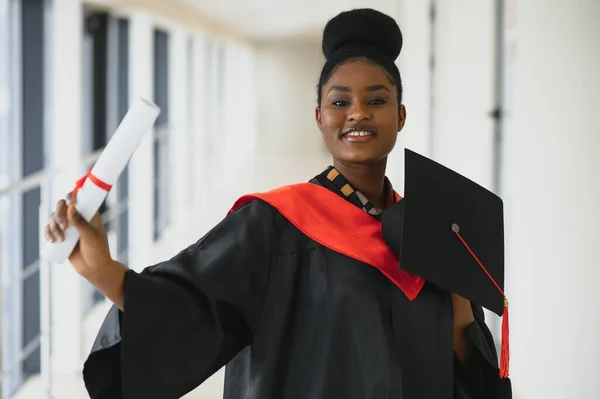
<point>361,34</point>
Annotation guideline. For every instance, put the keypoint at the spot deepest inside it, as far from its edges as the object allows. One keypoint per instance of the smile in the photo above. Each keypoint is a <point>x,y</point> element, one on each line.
<point>358,134</point>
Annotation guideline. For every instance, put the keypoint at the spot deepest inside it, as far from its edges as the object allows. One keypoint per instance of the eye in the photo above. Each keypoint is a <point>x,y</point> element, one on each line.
<point>377,101</point>
<point>340,103</point>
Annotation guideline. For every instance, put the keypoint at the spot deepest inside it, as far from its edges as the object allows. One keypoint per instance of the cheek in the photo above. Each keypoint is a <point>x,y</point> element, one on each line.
<point>332,121</point>
<point>391,120</point>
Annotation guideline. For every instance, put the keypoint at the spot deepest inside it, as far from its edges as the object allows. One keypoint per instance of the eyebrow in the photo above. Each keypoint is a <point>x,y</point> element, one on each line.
<point>369,88</point>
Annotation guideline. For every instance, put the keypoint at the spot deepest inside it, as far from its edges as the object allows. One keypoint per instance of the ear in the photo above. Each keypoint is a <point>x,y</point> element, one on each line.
<point>401,117</point>
<point>318,117</point>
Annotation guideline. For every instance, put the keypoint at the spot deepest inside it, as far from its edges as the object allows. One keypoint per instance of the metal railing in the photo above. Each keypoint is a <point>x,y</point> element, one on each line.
<point>43,181</point>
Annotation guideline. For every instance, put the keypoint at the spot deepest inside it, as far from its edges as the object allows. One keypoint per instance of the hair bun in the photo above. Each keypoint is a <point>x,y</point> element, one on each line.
<point>362,27</point>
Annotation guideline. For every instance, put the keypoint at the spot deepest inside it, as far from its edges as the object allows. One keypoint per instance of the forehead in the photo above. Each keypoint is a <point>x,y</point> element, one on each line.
<point>359,73</point>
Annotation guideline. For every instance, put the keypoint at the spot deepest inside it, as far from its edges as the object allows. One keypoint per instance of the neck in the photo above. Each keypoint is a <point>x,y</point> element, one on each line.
<point>369,179</point>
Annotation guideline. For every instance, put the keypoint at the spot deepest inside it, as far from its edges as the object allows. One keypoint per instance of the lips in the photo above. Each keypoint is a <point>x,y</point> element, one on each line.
<point>358,131</point>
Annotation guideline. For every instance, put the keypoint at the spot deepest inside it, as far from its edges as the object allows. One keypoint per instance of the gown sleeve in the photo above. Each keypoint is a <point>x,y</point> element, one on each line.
<point>185,318</point>
<point>480,378</point>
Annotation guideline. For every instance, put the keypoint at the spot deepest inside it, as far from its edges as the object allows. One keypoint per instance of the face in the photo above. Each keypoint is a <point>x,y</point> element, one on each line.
<point>359,115</point>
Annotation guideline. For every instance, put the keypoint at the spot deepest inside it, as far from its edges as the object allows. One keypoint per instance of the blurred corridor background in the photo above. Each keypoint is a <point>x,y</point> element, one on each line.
<point>505,92</point>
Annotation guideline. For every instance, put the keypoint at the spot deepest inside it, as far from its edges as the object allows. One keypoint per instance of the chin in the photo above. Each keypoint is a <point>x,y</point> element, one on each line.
<point>361,159</point>
<point>365,154</point>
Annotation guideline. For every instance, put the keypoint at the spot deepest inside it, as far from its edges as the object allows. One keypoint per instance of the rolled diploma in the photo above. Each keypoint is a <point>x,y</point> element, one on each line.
<point>109,166</point>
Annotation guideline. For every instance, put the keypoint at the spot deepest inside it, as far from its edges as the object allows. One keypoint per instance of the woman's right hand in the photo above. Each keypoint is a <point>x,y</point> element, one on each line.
<point>92,251</point>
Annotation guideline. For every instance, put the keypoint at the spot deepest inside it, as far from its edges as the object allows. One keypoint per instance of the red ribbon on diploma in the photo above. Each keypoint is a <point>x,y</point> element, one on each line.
<point>104,186</point>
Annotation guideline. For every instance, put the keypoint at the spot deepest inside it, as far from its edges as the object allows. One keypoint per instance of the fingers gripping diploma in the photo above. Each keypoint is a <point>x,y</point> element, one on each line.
<point>91,256</point>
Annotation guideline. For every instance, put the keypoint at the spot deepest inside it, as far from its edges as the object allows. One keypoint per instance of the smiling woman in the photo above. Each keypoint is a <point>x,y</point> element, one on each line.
<point>296,290</point>
<point>366,113</point>
<point>360,97</point>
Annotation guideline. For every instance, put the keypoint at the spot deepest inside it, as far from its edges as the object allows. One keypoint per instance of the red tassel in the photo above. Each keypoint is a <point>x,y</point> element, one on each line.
<point>505,350</point>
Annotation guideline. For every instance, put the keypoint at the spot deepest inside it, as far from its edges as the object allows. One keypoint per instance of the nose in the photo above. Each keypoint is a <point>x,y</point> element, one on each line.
<point>358,112</point>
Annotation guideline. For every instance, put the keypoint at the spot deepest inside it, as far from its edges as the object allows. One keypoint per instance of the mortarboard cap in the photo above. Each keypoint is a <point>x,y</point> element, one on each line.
<point>452,235</point>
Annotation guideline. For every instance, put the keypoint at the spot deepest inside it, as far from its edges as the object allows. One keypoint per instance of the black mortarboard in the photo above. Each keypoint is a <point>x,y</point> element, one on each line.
<point>450,231</point>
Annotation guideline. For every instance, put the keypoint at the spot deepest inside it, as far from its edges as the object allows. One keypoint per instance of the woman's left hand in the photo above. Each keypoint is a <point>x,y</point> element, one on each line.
<point>463,318</point>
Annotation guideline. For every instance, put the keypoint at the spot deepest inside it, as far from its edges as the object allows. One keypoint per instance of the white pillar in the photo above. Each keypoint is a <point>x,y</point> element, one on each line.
<point>463,87</point>
<point>66,149</point>
<point>462,135</point>
<point>413,63</point>
<point>413,19</point>
<point>551,177</point>
<point>179,134</point>
<point>287,76</point>
<point>141,184</point>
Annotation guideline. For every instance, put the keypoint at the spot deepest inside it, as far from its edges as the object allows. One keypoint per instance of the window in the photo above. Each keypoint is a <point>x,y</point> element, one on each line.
<point>10,206</point>
<point>22,82</point>
<point>32,161</point>
<point>122,108</point>
<point>161,142</point>
<point>95,79</point>
<point>5,89</point>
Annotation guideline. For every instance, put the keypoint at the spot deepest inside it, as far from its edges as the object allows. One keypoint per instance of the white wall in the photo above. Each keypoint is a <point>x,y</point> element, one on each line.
<point>551,178</point>
<point>464,55</point>
<point>287,75</point>
<point>278,141</point>
<point>413,63</point>
<point>550,169</point>
<point>456,129</point>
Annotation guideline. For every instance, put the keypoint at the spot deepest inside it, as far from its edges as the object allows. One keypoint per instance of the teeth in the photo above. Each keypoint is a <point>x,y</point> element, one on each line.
<point>359,134</point>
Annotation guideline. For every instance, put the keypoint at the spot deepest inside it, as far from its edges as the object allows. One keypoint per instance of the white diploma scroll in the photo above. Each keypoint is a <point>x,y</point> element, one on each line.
<point>109,166</point>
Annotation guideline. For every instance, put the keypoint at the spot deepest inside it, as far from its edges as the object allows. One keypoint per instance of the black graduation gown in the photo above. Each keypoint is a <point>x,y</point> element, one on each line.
<point>290,318</point>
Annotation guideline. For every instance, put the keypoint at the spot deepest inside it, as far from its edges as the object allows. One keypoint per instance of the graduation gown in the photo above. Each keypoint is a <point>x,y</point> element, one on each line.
<point>290,317</point>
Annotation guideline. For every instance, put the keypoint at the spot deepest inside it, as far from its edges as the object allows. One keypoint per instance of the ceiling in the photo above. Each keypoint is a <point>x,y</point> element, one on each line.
<point>266,20</point>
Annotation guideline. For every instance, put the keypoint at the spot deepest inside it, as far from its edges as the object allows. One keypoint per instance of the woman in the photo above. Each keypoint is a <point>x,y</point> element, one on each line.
<point>267,293</point>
